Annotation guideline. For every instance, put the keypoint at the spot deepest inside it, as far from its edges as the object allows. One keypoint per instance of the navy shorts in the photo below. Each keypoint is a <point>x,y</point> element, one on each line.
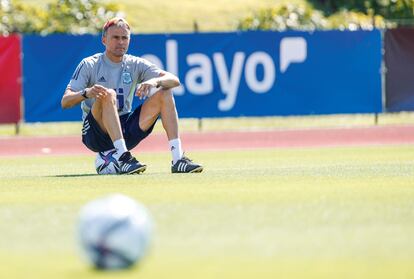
<point>98,141</point>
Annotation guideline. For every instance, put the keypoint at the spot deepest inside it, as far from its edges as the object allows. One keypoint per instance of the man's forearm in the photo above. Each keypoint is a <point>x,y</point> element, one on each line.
<point>71,98</point>
<point>168,81</point>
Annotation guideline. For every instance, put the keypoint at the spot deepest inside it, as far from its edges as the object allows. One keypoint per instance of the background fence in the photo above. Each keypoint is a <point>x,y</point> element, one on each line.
<point>230,74</point>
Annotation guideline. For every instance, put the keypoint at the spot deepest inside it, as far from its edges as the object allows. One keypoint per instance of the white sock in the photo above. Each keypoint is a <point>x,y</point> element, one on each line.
<point>120,148</point>
<point>176,150</point>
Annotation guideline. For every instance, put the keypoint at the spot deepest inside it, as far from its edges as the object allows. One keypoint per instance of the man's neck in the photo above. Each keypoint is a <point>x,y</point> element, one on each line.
<point>114,59</point>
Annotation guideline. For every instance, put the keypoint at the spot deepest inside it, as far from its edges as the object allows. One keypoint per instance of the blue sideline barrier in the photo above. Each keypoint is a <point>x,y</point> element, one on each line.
<point>225,74</point>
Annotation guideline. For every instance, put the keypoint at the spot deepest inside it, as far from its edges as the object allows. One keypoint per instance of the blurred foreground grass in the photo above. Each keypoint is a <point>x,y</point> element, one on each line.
<point>231,124</point>
<point>344,212</point>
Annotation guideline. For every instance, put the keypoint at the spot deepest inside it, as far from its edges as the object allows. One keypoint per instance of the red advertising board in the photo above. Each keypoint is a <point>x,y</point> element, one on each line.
<point>10,79</point>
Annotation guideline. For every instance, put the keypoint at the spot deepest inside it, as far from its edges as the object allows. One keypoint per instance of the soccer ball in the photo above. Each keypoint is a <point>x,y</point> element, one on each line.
<point>114,232</point>
<point>105,163</point>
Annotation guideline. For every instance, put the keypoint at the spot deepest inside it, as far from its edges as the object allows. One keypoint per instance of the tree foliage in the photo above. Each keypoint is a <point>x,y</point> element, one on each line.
<point>17,17</point>
<point>62,16</point>
<point>305,17</point>
<point>78,16</point>
<point>88,16</point>
<point>389,9</point>
<point>350,20</point>
<point>285,16</point>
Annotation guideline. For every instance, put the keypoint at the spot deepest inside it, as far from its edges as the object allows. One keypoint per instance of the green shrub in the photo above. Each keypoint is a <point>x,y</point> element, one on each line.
<point>392,10</point>
<point>285,16</point>
<point>62,16</point>
<point>304,17</point>
<point>18,17</point>
<point>349,20</point>
<point>78,16</point>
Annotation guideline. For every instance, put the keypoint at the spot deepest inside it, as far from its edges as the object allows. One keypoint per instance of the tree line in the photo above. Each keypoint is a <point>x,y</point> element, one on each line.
<point>88,16</point>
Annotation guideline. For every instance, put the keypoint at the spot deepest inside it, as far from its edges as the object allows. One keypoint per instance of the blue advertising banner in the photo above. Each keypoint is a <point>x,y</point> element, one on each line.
<point>226,74</point>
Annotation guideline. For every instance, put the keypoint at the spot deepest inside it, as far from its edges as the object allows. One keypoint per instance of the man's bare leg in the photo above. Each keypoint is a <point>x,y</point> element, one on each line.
<point>162,103</point>
<point>105,112</point>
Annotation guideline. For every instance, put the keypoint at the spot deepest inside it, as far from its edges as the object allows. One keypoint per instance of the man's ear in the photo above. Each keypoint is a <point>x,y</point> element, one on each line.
<point>103,40</point>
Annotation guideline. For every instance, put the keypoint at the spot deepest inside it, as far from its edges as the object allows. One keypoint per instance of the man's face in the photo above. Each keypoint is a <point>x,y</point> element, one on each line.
<point>116,41</point>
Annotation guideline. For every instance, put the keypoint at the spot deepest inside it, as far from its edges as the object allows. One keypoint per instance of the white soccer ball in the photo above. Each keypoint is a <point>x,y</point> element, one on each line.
<point>114,232</point>
<point>105,163</point>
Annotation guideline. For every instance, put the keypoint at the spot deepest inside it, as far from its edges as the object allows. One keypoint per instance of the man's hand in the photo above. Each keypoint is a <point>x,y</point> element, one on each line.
<point>147,88</point>
<point>72,98</point>
<point>97,91</point>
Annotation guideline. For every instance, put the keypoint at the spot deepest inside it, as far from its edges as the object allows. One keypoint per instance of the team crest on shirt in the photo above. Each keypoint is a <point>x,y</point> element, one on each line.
<point>126,77</point>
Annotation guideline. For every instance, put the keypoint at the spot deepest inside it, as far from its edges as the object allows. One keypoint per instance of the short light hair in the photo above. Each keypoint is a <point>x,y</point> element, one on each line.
<point>117,21</point>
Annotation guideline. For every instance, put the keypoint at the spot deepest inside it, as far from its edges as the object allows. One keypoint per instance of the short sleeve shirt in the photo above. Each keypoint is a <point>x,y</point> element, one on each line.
<point>123,77</point>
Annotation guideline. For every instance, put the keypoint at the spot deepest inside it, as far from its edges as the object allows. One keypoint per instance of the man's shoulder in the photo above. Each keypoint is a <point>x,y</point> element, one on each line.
<point>135,59</point>
<point>93,59</point>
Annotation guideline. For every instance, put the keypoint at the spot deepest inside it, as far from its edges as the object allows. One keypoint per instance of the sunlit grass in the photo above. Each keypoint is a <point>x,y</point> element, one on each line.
<point>293,213</point>
<point>231,124</point>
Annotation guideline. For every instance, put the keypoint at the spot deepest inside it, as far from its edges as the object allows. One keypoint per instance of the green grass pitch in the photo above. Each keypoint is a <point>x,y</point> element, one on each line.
<point>343,212</point>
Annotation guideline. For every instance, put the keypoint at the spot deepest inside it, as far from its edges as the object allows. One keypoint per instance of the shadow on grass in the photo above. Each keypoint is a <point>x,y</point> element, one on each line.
<point>74,175</point>
<point>108,175</point>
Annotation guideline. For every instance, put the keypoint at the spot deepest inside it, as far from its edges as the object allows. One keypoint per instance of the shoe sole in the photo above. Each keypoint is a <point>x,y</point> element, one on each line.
<point>196,170</point>
<point>199,169</point>
<point>137,171</point>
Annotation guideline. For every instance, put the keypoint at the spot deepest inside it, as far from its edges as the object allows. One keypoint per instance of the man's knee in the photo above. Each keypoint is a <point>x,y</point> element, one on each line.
<point>165,95</point>
<point>100,103</point>
<point>110,97</point>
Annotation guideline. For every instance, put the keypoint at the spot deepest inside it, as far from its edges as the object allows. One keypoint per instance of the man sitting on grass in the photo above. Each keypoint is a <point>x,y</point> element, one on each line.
<point>104,84</point>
